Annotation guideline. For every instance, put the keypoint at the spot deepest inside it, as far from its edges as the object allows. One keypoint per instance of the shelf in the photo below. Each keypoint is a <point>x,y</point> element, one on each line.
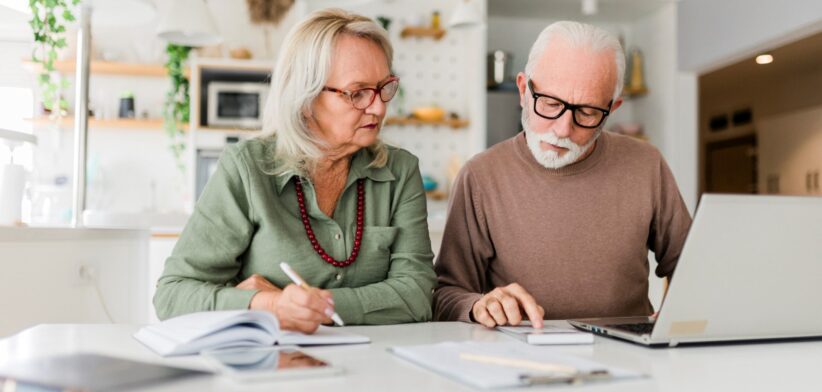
<point>401,121</point>
<point>422,32</point>
<point>216,129</point>
<point>107,68</point>
<point>114,123</point>
<point>629,92</point>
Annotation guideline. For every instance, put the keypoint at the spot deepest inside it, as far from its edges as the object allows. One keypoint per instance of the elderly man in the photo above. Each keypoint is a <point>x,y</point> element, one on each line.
<point>557,221</point>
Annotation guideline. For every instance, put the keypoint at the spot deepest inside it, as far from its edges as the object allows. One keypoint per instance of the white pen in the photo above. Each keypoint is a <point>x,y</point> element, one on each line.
<point>300,282</point>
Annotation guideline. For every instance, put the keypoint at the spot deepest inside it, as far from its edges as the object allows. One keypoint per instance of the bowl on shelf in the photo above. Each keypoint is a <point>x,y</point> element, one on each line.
<point>429,113</point>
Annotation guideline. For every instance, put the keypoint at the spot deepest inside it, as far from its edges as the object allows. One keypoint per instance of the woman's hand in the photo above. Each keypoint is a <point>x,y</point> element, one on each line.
<point>297,308</point>
<point>257,282</point>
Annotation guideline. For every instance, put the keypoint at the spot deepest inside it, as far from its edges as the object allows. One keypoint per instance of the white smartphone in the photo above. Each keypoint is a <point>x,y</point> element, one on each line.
<point>267,363</point>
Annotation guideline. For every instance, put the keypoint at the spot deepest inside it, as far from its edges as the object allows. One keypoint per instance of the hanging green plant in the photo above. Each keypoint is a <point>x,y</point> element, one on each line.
<point>176,110</point>
<point>48,18</point>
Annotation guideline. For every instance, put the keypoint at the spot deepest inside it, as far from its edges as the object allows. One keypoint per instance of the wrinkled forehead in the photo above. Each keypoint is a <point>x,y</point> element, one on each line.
<point>578,73</point>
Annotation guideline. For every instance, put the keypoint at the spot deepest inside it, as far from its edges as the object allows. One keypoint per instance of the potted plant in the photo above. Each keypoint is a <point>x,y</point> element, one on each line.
<point>48,19</point>
<point>176,110</point>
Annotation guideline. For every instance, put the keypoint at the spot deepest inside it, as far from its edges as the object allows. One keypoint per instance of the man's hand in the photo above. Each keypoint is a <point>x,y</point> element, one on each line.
<point>297,308</point>
<point>505,305</point>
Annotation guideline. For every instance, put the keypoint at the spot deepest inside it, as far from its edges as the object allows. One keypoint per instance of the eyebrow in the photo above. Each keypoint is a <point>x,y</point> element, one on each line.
<point>366,84</point>
<point>552,95</point>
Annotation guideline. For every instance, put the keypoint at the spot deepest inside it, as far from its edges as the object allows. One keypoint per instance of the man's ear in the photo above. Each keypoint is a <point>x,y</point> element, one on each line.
<point>522,86</point>
<point>616,104</point>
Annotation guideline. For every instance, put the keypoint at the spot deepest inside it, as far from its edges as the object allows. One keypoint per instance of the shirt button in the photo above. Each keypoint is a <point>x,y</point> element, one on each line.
<point>337,236</point>
<point>339,276</point>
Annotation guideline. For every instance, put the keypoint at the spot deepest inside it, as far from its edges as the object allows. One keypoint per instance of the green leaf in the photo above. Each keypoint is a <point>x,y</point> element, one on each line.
<point>68,16</point>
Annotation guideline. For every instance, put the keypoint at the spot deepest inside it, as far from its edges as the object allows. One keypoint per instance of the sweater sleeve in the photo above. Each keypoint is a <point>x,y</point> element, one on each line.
<point>462,263</point>
<point>670,223</point>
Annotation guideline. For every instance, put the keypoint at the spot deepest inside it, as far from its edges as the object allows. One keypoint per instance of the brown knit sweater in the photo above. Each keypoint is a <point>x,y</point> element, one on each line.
<point>577,238</point>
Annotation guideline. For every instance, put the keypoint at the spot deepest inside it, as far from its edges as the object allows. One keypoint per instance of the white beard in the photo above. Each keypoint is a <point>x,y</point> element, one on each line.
<point>548,158</point>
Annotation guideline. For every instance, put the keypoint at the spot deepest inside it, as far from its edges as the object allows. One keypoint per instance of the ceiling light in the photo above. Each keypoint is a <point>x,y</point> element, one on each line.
<point>188,23</point>
<point>589,7</point>
<point>764,59</point>
<point>465,15</point>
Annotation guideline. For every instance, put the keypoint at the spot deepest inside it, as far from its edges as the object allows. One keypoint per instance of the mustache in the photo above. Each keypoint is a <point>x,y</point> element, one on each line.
<point>552,138</point>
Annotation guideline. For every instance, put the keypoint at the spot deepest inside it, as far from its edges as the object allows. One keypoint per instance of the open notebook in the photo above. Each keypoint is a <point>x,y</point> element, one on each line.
<point>196,332</point>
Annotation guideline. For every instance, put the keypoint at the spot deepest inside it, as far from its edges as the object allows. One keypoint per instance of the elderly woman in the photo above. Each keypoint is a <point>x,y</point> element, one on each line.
<point>321,192</point>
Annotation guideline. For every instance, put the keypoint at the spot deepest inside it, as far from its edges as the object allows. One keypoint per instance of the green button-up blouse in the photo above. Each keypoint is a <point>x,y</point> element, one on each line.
<point>247,221</point>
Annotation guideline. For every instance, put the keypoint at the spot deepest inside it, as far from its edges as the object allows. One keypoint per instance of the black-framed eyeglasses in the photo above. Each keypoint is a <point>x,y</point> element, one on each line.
<point>364,97</point>
<point>552,108</point>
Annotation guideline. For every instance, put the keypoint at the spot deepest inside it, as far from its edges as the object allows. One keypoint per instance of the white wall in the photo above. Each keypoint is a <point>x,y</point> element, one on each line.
<point>713,33</point>
<point>41,280</point>
<point>668,112</point>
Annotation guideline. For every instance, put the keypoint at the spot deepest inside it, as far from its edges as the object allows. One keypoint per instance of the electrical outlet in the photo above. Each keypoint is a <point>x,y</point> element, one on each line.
<point>83,273</point>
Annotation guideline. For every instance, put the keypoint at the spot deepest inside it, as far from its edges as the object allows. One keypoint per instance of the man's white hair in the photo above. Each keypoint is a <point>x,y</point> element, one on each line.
<point>580,35</point>
<point>303,66</point>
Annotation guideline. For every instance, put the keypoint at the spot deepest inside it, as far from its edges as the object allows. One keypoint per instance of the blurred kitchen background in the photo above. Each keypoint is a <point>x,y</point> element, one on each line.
<point>730,91</point>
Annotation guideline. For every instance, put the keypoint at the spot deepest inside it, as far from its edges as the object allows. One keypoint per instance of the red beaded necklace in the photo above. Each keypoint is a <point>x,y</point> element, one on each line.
<point>298,186</point>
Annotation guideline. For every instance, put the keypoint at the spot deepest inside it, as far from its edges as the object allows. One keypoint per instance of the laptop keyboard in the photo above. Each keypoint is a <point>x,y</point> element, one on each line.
<point>638,328</point>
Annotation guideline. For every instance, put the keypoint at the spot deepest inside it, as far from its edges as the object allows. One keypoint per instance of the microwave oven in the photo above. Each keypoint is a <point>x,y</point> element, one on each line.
<point>236,104</point>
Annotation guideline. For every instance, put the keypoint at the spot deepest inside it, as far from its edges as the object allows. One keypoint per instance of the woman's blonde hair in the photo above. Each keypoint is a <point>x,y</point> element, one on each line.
<point>302,69</point>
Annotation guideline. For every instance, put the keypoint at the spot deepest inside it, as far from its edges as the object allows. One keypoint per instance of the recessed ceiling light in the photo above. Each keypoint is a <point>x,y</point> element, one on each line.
<point>764,59</point>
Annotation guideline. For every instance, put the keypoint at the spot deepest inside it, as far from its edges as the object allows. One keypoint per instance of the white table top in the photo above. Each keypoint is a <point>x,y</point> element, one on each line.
<point>785,366</point>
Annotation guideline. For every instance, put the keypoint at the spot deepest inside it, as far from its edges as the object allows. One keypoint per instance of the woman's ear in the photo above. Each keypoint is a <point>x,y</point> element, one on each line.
<point>308,116</point>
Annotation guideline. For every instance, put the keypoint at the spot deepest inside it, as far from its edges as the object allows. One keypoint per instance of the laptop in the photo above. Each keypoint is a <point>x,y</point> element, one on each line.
<point>750,269</point>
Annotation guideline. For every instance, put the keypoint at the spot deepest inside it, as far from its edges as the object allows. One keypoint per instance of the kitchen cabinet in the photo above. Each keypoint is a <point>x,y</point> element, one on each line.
<point>790,153</point>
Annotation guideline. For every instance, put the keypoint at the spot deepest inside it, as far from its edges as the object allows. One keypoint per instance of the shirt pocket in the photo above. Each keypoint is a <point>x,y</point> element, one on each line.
<point>374,259</point>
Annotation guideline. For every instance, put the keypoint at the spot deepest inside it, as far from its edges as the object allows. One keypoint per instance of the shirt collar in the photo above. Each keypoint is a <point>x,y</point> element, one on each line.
<point>359,169</point>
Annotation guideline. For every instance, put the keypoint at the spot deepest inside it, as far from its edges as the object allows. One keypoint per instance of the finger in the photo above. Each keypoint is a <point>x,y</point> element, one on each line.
<point>306,327</point>
<point>327,296</point>
<point>528,303</point>
<point>246,284</point>
<point>301,313</point>
<point>309,300</point>
<point>511,308</point>
<point>496,311</point>
<point>318,301</point>
<point>303,297</point>
<point>482,316</point>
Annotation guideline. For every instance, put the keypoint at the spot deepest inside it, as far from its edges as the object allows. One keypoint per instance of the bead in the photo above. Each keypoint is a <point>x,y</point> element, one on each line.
<point>310,231</point>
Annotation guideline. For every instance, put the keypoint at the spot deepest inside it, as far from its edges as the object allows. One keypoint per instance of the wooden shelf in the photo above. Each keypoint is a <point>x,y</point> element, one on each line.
<point>113,123</point>
<point>629,92</point>
<point>401,121</point>
<point>422,32</point>
<point>217,129</point>
<point>107,68</point>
